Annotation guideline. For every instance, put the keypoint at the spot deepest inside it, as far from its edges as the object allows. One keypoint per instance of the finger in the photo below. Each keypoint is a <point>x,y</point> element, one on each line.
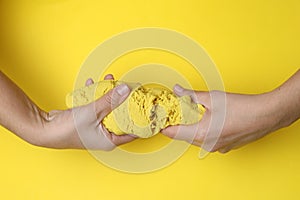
<point>188,133</point>
<point>117,139</point>
<point>224,150</point>
<point>109,77</point>
<point>196,96</point>
<point>107,143</point>
<point>89,82</point>
<point>241,142</point>
<point>111,100</point>
<point>231,147</point>
<point>122,139</point>
<point>235,144</point>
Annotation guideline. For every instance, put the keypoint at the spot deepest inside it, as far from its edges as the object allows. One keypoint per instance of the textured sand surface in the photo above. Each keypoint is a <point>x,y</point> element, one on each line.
<point>144,113</point>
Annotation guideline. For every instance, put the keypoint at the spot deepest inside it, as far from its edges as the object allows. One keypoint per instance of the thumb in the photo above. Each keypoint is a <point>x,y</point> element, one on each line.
<point>111,100</point>
<point>198,97</point>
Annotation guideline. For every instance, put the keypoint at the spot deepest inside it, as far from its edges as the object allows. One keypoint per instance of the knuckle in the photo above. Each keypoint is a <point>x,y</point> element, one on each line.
<point>108,98</point>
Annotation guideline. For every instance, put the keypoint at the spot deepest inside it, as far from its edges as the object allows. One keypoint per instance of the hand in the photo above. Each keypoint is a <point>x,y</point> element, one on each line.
<point>60,130</point>
<point>247,118</point>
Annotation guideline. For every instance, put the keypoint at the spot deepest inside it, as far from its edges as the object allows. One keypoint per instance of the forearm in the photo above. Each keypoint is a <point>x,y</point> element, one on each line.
<point>288,100</point>
<point>18,113</point>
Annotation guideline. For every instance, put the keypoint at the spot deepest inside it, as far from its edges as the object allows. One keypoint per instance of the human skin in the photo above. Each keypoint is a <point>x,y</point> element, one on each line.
<point>57,128</point>
<point>247,117</point>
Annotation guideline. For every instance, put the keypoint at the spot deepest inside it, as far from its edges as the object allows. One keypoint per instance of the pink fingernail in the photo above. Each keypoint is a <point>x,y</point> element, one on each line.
<point>123,89</point>
<point>178,88</point>
<point>89,82</point>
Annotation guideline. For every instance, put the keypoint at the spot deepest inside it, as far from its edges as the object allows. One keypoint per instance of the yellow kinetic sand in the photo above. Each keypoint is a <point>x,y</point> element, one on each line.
<point>144,113</point>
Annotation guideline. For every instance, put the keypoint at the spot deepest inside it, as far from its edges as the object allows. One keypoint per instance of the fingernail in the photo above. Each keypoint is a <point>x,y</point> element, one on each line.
<point>89,82</point>
<point>178,88</point>
<point>122,89</point>
<point>109,76</point>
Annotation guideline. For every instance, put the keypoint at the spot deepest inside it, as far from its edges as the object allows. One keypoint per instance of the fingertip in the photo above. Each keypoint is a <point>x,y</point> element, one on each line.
<point>109,77</point>
<point>170,131</point>
<point>122,139</point>
<point>165,130</point>
<point>111,100</point>
<point>123,89</point>
<point>89,81</point>
<point>223,151</point>
<point>178,89</point>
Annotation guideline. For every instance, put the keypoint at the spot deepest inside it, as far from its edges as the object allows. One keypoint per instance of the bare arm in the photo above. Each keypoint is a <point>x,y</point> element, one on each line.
<point>248,117</point>
<point>288,100</point>
<point>57,129</point>
<point>18,113</point>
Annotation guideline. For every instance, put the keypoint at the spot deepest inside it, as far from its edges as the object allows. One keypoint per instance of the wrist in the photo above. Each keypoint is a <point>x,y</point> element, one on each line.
<point>39,128</point>
<point>288,100</point>
<point>59,131</point>
<point>285,108</point>
<point>48,130</point>
<point>277,110</point>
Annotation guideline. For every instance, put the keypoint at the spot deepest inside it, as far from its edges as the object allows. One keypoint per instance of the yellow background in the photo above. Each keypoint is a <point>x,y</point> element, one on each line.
<point>255,45</point>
